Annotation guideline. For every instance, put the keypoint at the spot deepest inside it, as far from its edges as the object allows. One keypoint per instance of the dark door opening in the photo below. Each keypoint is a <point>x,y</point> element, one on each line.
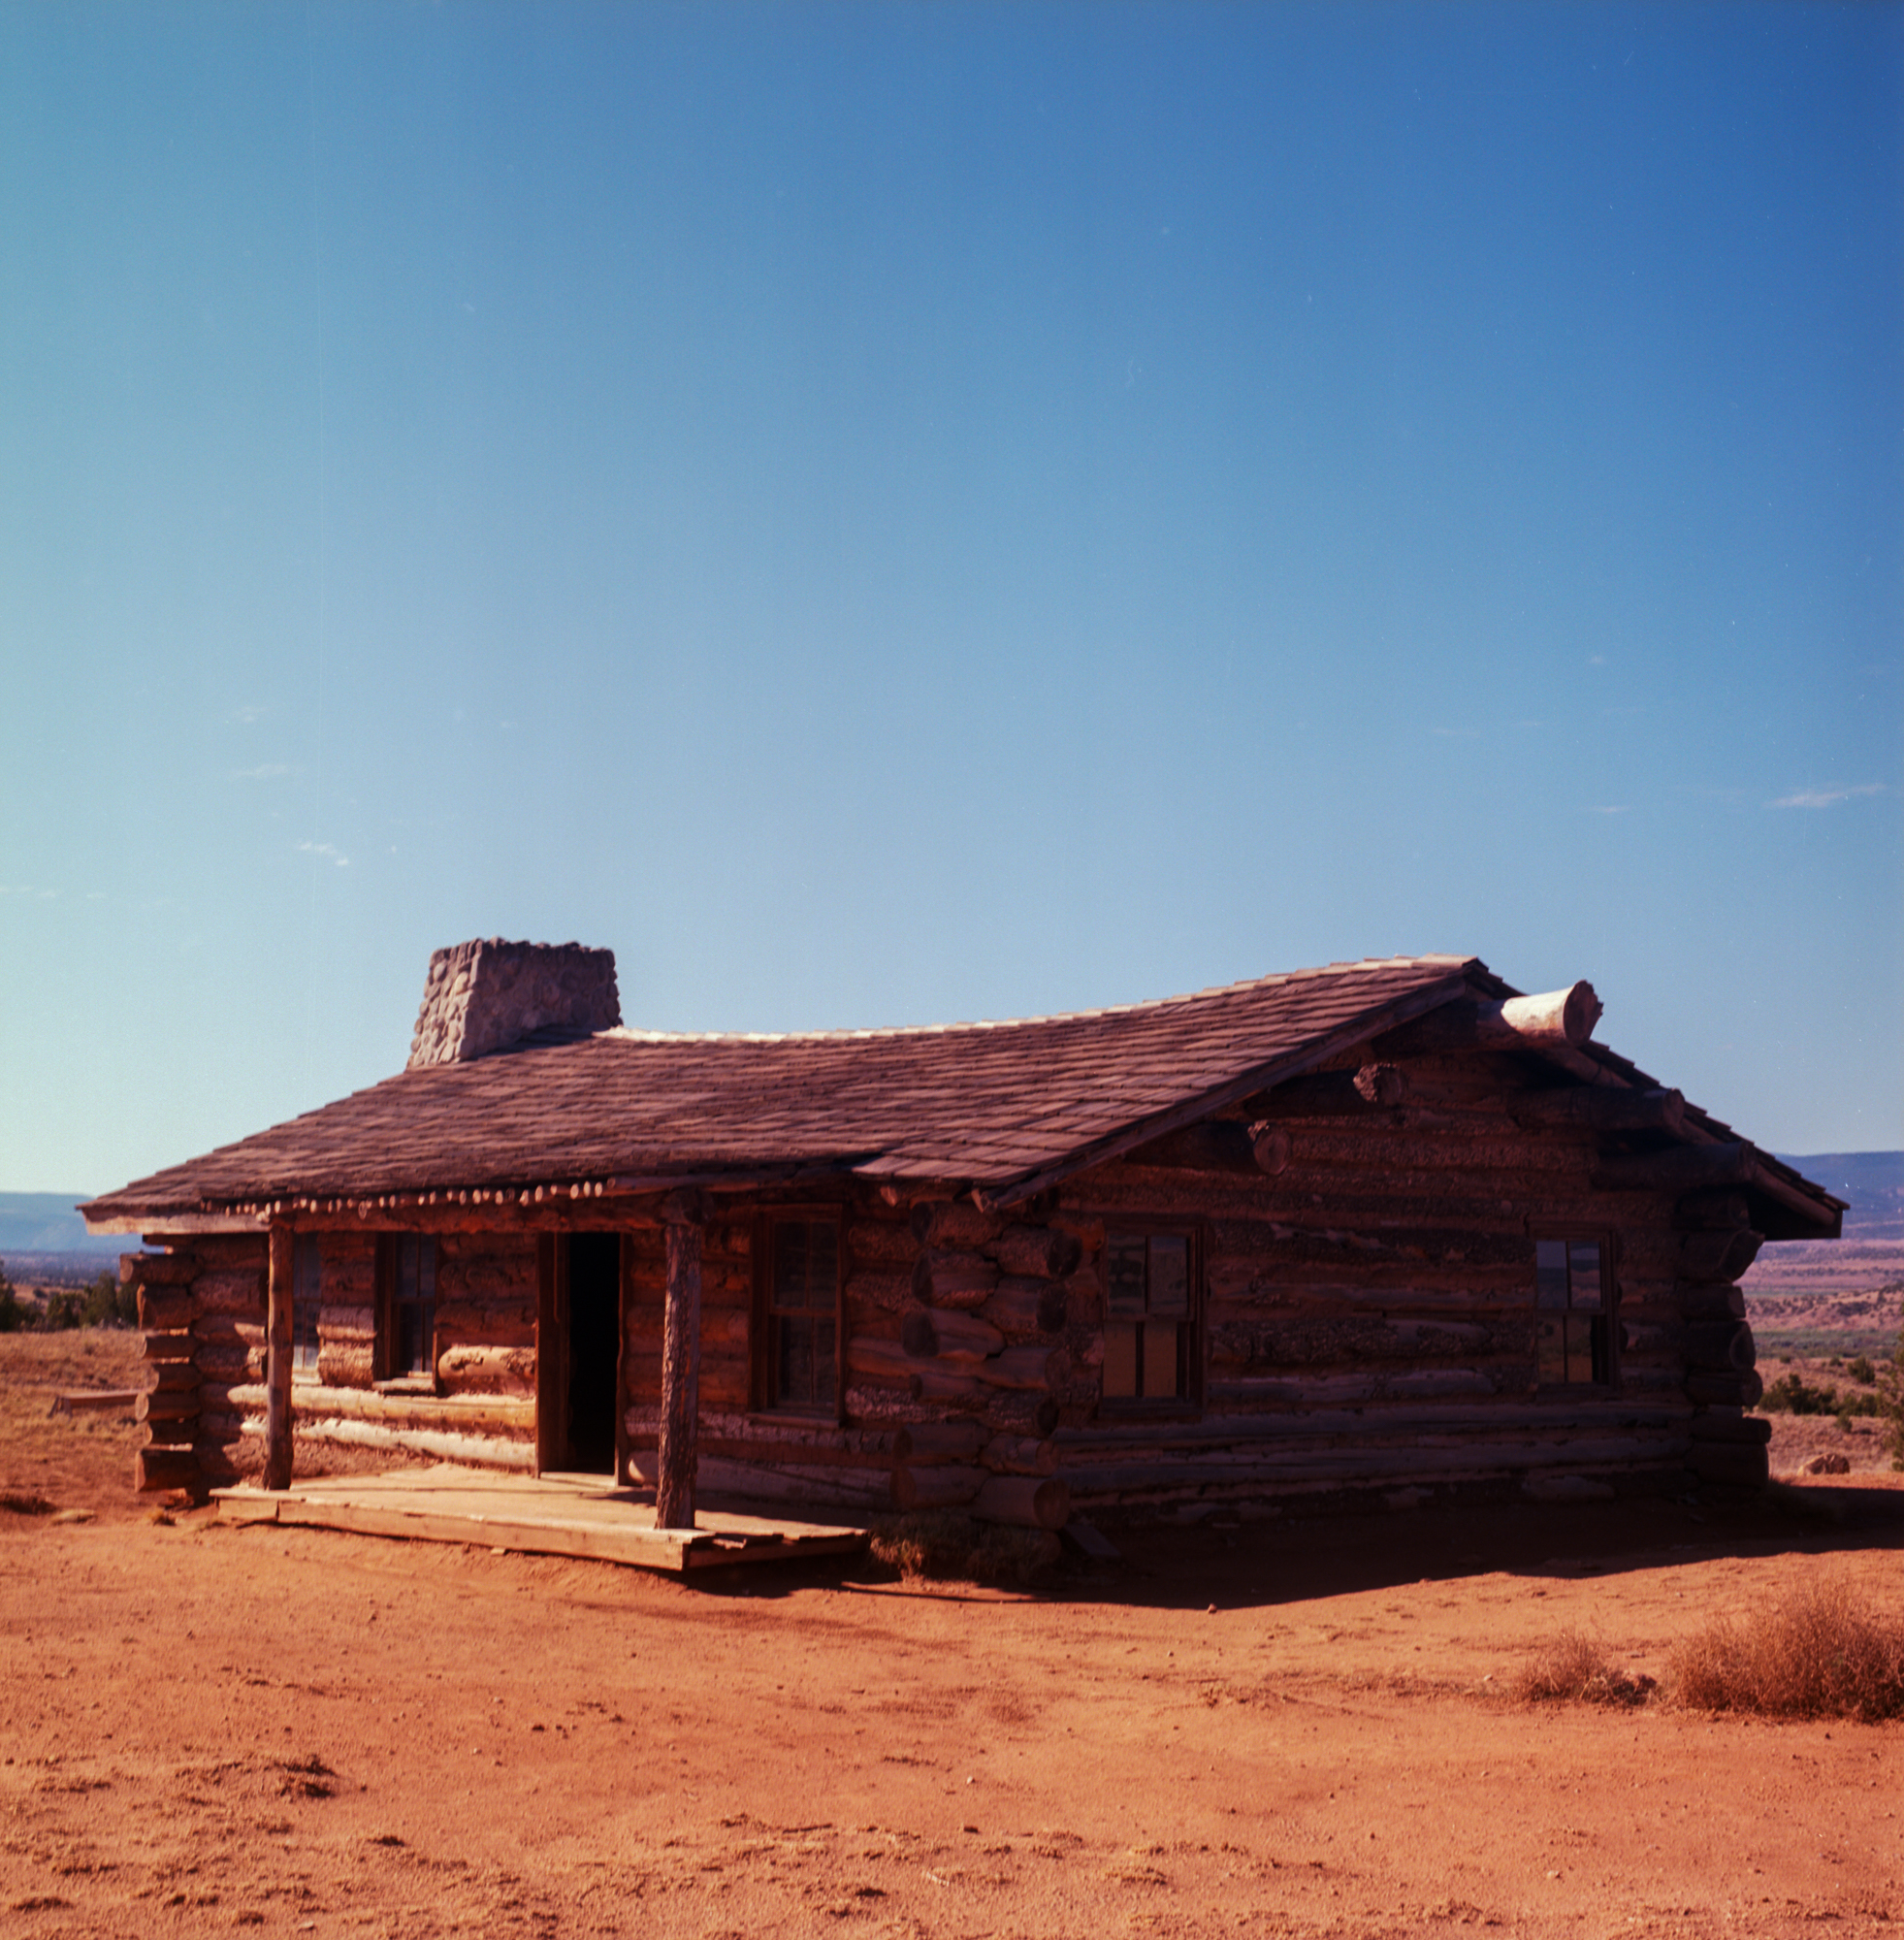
<point>594,1307</point>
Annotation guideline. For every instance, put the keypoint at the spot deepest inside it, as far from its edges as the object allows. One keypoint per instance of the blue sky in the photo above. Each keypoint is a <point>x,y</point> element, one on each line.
<point>890,514</point>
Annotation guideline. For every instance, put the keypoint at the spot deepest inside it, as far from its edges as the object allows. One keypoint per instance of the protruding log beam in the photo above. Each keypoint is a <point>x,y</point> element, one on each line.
<point>1555,1020</point>
<point>1601,1108</point>
<point>1688,1169</point>
<point>1027,1500</point>
<point>1028,1306</point>
<point>951,1223</point>
<point>1020,1455</point>
<point>1336,1094</point>
<point>1721,1346</point>
<point>954,1278</point>
<point>1719,1256</point>
<point>156,1469</point>
<point>1044,1253</point>
<point>942,1487</point>
<point>1728,1390</point>
<point>956,1337</point>
<point>278,1359</point>
<point>926,1443</point>
<point>684,1213</point>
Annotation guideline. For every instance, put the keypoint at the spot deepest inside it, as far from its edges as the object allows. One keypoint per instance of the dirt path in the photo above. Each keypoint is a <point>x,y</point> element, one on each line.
<point>207,1728</point>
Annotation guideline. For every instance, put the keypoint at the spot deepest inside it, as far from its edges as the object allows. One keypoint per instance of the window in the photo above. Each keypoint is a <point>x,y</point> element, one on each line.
<point>306,1296</point>
<point>1573,1308</point>
<point>1148,1334</point>
<point>800,1367</point>
<point>411,1325</point>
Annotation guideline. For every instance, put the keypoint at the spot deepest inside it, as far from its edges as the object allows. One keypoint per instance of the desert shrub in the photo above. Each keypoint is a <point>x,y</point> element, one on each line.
<point>1861,1370</point>
<point>65,1308</point>
<point>108,1304</point>
<point>1574,1667</point>
<point>13,1314</point>
<point>1792,1394</point>
<point>1815,1654</point>
<point>1889,1399</point>
<point>940,1545</point>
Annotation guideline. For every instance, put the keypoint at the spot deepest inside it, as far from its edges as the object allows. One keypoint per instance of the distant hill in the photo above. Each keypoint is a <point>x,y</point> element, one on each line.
<point>46,1222</point>
<point>1871,1184</point>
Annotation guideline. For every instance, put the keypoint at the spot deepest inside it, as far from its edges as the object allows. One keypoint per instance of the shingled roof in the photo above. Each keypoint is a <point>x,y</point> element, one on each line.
<point>1005,1107</point>
<point>989,1102</point>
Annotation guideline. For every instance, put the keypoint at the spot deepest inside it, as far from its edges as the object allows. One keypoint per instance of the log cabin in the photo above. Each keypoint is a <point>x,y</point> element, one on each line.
<point>1366,1231</point>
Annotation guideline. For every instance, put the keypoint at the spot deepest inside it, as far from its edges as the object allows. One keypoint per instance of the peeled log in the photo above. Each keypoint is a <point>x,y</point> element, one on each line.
<point>1719,1256</point>
<point>1020,1455</point>
<point>1564,1019</point>
<point>1028,1307</point>
<point>507,1323</point>
<point>1025,1501</point>
<point>158,1269</point>
<point>1269,1146</point>
<point>161,1407</point>
<point>169,1346</point>
<point>1042,1251</point>
<point>1016,1368</point>
<point>167,1309</point>
<point>932,1441</point>
<point>888,1289</point>
<point>156,1469</point>
<point>1744,1390</point>
<point>950,1223</point>
<point>1709,1301</point>
<point>954,1336</point>
<point>1722,1346</point>
<point>936,1488</point>
<point>953,1279</point>
<point>1601,1108</point>
<point>499,1371</point>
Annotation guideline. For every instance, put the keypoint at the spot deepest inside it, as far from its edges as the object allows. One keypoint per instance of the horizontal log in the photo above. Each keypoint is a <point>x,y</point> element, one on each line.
<point>1721,1346</point>
<point>1031,1306</point>
<point>1020,1455</point>
<point>872,1402</point>
<point>460,1414</point>
<point>228,1291</point>
<point>1016,1368</point>
<point>942,1486</point>
<point>507,1371</point>
<point>1716,1208</point>
<point>174,1376</point>
<point>923,1443</point>
<point>958,1279</point>
<point>1309,1339</point>
<point>157,1469</point>
<point>1026,1501</point>
<point>158,1269</point>
<point>1725,1390</point>
<point>789,1486</point>
<point>345,1364</point>
<point>167,1309</point>
<point>889,1289</point>
<point>1562,1020</point>
<point>1731,1427</point>
<point>481,1451</point>
<point>1325,1390</point>
<point>1709,1301</point>
<point>1718,1255</point>
<point>879,1242</point>
<point>507,1323</point>
<point>927,1332</point>
<point>1601,1107</point>
<point>169,1346</point>
<point>1406,1424</point>
<point>935,1384</point>
<point>162,1406</point>
<point>1048,1252</point>
<point>955,1223</point>
<point>1334,1094</point>
<point>1024,1411</point>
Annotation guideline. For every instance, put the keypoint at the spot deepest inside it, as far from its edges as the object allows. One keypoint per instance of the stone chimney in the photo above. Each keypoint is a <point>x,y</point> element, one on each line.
<point>486,995</point>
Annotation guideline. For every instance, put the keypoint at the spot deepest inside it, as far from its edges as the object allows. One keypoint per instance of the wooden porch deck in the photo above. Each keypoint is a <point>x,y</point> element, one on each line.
<point>543,1515</point>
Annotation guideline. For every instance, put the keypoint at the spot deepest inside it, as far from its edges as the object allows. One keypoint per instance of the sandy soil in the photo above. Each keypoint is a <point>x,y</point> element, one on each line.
<point>206,1729</point>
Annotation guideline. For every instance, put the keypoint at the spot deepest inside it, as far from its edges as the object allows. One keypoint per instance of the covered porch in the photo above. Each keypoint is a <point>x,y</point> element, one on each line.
<point>543,1516</point>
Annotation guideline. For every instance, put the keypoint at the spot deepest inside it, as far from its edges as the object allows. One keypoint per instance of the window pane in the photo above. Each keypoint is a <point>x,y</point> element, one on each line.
<point>1119,1359</point>
<point>822,1266</point>
<point>406,1266</point>
<point>1583,1273</point>
<point>795,1360</point>
<point>1170,1277</point>
<point>426,1266</point>
<point>790,1265</point>
<point>1581,1328</point>
<point>1125,1257</point>
<point>1550,1343</point>
<point>826,1364</point>
<point>1550,1276</point>
<point>1160,1360</point>
<point>413,1340</point>
<point>306,1296</point>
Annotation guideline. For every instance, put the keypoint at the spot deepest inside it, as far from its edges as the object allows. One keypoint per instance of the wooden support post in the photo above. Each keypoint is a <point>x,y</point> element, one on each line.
<point>684,1213</point>
<point>623,1273</point>
<point>277,1361</point>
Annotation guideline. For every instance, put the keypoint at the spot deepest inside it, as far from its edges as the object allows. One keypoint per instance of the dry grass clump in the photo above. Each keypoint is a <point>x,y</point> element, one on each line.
<point>1816,1653</point>
<point>1576,1668</point>
<point>940,1546</point>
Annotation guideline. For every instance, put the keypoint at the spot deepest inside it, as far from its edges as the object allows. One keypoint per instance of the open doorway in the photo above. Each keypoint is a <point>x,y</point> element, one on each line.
<point>576,1384</point>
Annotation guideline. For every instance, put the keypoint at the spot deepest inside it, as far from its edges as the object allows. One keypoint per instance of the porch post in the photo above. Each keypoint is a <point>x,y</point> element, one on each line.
<point>682,1213</point>
<point>277,1357</point>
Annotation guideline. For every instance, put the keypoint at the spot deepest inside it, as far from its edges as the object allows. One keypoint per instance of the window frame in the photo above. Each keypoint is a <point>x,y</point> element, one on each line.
<point>388,1376</point>
<point>1575,1233</point>
<point>763,1334</point>
<point>1192,1332</point>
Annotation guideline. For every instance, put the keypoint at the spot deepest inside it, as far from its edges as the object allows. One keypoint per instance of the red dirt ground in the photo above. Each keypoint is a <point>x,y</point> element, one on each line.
<point>207,1728</point>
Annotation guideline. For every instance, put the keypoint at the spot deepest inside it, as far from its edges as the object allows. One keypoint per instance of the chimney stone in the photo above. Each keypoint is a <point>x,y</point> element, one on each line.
<point>486,995</point>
